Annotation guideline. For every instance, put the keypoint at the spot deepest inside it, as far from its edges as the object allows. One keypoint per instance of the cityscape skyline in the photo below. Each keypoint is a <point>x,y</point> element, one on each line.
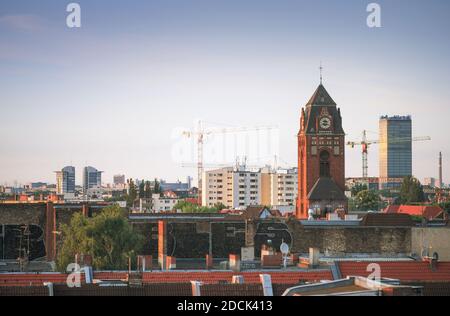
<point>80,110</point>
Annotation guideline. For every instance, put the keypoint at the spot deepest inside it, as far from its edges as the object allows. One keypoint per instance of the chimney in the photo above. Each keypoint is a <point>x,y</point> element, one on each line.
<point>49,285</point>
<point>266,282</point>
<point>237,279</point>
<point>314,257</point>
<point>196,288</point>
<point>235,263</point>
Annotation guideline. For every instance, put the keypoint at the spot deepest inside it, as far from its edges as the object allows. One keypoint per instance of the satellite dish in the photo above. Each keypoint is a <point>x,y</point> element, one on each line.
<point>284,248</point>
<point>435,256</point>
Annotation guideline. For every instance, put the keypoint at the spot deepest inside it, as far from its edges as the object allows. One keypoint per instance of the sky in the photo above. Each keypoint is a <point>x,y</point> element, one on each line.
<point>111,93</point>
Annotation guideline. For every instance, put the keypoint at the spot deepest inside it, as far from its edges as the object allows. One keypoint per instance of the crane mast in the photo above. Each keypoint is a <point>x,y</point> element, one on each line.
<point>365,144</point>
<point>201,134</point>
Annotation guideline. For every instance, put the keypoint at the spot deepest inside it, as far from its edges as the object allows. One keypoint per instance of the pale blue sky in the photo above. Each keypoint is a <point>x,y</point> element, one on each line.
<point>111,93</point>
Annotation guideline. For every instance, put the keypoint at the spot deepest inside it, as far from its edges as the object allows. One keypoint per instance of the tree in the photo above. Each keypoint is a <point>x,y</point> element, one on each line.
<point>132,194</point>
<point>157,187</point>
<point>148,190</point>
<point>358,188</point>
<point>411,191</point>
<point>445,206</point>
<point>187,207</point>
<point>142,189</point>
<point>108,237</point>
<point>367,200</point>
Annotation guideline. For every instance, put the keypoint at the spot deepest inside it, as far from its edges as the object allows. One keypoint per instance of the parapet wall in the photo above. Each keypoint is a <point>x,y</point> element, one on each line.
<point>338,241</point>
<point>431,239</point>
<point>196,238</point>
<point>44,220</point>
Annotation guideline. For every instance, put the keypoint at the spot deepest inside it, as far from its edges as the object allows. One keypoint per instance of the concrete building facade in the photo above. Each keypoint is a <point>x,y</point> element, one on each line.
<point>235,187</point>
<point>279,188</point>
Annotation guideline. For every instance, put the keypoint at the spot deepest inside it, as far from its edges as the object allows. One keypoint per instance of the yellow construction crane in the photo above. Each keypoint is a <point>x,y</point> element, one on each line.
<point>201,133</point>
<point>365,143</point>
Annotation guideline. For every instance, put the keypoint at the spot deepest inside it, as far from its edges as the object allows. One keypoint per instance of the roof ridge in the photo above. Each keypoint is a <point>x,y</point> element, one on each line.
<point>321,97</point>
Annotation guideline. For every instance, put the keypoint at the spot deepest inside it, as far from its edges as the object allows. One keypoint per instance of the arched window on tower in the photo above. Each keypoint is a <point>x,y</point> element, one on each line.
<point>324,164</point>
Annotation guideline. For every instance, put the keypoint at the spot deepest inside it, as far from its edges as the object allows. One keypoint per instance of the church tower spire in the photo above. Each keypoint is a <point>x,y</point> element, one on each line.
<point>321,156</point>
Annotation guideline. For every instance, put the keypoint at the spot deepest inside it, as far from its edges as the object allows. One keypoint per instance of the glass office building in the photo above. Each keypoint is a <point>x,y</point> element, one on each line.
<point>65,180</point>
<point>395,147</point>
<point>92,178</point>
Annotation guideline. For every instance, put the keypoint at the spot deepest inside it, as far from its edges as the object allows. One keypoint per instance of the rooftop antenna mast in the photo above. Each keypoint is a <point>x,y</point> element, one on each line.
<point>321,72</point>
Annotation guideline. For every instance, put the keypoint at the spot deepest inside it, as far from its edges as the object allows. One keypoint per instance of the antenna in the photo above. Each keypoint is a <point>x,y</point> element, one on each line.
<point>284,248</point>
<point>321,70</point>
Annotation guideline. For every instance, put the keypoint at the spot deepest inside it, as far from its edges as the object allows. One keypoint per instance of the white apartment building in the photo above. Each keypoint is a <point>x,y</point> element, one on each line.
<point>283,189</point>
<point>163,204</point>
<point>234,187</point>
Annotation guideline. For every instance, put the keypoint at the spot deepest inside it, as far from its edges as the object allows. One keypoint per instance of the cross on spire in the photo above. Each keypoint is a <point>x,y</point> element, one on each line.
<point>321,69</point>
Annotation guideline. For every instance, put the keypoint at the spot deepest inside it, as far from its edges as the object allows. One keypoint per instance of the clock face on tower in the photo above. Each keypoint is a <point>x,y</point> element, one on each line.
<point>325,123</point>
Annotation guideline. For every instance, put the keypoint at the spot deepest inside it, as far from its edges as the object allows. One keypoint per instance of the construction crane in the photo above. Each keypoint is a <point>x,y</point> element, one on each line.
<point>365,144</point>
<point>201,133</point>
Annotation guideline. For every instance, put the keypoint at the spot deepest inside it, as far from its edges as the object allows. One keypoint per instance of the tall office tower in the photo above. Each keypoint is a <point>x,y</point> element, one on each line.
<point>92,178</point>
<point>395,147</point>
<point>65,181</point>
<point>119,179</point>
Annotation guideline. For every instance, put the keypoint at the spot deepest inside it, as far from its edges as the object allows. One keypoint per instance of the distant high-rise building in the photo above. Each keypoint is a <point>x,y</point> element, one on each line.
<point>395,146</point>
<point>431,182</point>
<point>119,179</point>
<point>65,181</point>
<point>176,186</point>
<point>92,178</point>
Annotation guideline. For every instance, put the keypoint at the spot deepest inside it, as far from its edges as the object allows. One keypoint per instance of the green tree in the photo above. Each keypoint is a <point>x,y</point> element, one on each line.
<point>148,190</point>
<point>157,187</point>
<point>411,191</point>
<point>142,189</point>
<point>75,240</point>
<point>445,206</point>
<point>358,188</point>
<point>132,193</point>
<point>187,207</point>
<point>108,237</point>
<point>367,201</point>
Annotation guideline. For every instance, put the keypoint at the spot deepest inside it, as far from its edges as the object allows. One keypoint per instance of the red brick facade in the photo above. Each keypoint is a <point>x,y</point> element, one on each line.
<point>321,154</point>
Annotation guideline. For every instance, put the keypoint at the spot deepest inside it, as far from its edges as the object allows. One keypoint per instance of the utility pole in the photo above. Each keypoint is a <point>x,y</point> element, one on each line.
<point>440,184</point>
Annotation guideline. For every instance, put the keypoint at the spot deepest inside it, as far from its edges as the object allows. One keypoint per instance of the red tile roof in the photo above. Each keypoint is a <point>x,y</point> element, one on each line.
<point>226,276</point>
<point>413,271</point>
<point>429,212</point>
<point>192,201</point>
<point>208,277</point>
<point>383,219</point>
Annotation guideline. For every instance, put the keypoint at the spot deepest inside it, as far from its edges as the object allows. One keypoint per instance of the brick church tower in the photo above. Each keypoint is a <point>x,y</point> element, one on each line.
<point>321,157</point>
